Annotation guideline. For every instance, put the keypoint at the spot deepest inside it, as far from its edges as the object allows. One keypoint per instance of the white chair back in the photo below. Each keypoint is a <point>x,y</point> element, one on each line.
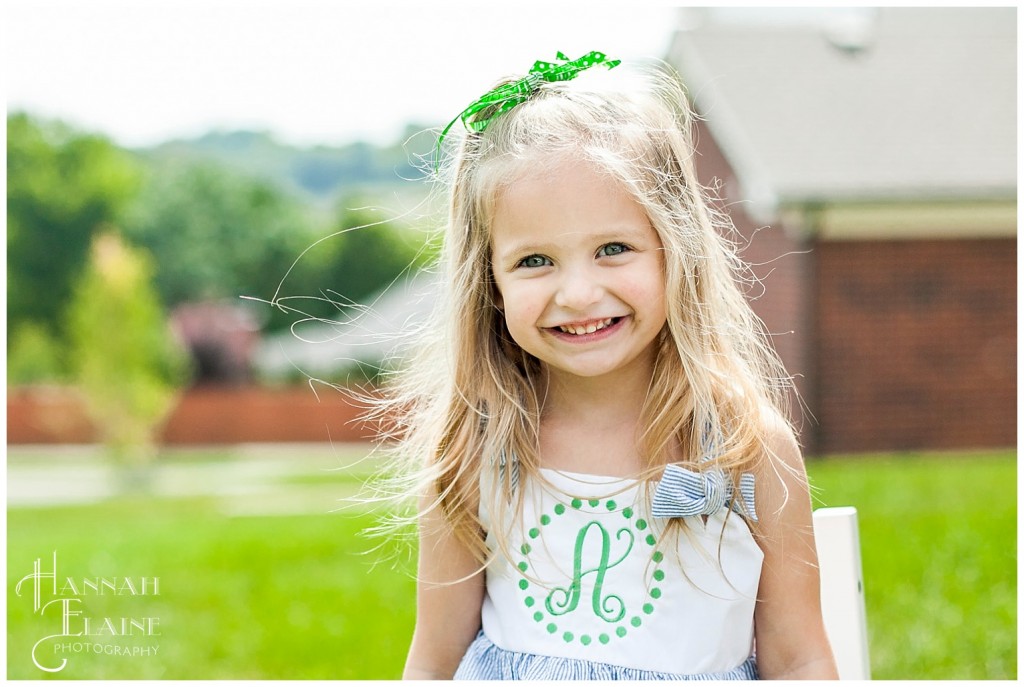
<point>842,590</point>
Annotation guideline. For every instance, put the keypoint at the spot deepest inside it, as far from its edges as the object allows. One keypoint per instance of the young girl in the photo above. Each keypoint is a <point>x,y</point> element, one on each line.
<point>608,487</point>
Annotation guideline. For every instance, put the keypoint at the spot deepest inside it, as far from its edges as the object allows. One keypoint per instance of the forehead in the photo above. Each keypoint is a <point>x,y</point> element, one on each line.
<point>569,199</point>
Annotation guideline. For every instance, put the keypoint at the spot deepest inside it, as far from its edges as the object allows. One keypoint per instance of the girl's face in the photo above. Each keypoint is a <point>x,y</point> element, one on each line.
<point>579,272</point>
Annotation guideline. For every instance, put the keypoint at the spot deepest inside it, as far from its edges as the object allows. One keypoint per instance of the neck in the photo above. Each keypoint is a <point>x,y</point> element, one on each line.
<point>608,400</point>
<point>592,424</point>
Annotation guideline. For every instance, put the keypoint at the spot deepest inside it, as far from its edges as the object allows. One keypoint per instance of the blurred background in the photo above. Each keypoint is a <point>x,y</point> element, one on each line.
<point>218,215</point>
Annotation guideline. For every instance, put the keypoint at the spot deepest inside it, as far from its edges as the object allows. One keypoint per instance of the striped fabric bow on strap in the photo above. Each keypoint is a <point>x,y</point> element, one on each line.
<point>683,493</point>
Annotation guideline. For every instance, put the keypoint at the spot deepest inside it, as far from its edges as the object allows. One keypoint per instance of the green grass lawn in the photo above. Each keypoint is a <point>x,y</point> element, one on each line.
<point>297,596</point>
<point>240,597</point>
<point>938,540</point>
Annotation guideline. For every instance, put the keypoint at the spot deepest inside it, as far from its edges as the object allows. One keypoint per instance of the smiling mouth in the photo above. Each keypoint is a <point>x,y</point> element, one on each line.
<point>590,328</point>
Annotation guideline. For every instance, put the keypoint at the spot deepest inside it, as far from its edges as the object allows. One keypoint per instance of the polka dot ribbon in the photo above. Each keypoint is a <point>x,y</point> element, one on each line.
<point>683,493</point>
<point>500,100</point>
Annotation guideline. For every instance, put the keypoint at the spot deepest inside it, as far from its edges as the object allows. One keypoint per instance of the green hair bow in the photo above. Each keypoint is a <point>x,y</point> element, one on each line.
<point>500,100</point>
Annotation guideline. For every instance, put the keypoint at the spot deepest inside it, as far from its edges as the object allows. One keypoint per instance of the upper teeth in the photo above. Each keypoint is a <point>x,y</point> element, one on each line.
<point>585,329</point>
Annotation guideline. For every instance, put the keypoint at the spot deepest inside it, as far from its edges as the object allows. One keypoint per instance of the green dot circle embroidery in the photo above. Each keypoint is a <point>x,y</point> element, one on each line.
<point>542,610</point>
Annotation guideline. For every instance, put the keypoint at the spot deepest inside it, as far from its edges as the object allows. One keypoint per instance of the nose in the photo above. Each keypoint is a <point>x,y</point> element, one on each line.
<point>578,289</point>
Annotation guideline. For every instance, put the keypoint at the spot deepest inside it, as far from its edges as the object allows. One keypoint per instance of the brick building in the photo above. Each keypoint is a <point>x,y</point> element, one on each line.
<point>869,165</point>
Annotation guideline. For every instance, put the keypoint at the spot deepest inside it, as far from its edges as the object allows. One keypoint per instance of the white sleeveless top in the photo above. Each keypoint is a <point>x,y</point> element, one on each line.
<point>593,577</point>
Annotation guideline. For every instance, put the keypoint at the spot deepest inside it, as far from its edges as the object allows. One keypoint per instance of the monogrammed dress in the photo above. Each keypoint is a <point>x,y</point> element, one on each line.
<point>597,590</point>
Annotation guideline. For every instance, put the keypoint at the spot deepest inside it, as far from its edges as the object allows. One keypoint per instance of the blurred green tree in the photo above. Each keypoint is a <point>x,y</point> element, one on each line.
<point>216,234</point>
<point>61,186</point>
<point>123,358</point>
<point>362,253</point>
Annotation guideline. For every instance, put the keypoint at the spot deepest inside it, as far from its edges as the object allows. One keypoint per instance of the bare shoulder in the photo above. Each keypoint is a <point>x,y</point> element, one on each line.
<point>781,484</point>
<point>780,439</point>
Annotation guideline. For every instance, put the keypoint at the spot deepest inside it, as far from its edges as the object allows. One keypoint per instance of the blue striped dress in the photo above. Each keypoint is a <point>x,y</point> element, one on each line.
<point>485,661</point>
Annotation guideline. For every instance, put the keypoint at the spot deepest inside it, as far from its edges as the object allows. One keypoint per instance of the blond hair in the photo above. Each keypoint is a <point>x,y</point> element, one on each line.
<point>468,397</point>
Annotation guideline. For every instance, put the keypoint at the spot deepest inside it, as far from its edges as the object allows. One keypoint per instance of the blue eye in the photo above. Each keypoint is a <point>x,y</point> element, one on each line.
<point>613,249</point>
<point>534,261</point>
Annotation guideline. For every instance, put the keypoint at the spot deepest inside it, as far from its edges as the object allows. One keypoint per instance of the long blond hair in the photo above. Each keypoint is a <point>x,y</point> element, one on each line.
<point>467,398</point>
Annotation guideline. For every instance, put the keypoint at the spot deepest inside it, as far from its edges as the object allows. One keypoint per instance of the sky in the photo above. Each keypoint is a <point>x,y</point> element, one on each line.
<point>309,72</point>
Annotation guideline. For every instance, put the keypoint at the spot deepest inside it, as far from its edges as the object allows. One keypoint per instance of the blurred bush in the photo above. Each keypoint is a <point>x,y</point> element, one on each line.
<point>122,355</point>
<point>34,356</point>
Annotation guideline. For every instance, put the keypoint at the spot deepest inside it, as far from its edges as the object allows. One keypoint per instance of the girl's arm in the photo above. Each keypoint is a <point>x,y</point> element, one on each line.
<point>450,591</point>
<point>789,631</point>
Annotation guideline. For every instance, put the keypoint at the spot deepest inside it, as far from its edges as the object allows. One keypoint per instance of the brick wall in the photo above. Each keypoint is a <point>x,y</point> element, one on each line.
<point>203,415</point>
<point>917,344</point>
<point>218,415</point>
<point>783,265</point>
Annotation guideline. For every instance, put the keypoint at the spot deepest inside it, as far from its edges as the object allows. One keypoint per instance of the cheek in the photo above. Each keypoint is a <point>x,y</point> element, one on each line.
<point>650,294</point>
<point>515,315</point>
<point>644,287</point>
<point>522,311</point>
